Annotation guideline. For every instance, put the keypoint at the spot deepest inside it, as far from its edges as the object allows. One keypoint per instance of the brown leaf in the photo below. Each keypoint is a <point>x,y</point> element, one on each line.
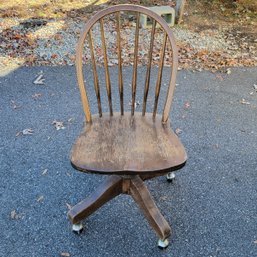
<point>44,171</point>
<point>40,198</point>
<point>14,105</point>
<point>58,37</point>
<point>163,198</point>
<point>178,131</point>
<point>54,56</point>
<point>243,101</point>
<point>65,254</point>
<point>15,216</point>
<point>19,133</point>
<point>27,131</point>
<point>219,77</point>
<point>186,105</point>
<point>58,124</point>
<point>36,95</point>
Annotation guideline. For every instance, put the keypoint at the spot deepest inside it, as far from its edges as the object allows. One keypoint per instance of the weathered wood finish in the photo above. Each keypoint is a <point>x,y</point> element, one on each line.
<point>111,187</point>
<point>134,79</point>
<point>120,64</point>
<point>142,197</point>
<point>127,145</point>
<point>99,17</point>
<point>107,74</point>
<point>115,185</point>
<point>148,72</point>
<point>96,80</point>
<point>159,77</point>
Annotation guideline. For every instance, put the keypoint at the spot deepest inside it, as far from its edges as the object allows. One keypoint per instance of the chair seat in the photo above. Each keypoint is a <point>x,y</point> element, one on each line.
<point>127,145</point>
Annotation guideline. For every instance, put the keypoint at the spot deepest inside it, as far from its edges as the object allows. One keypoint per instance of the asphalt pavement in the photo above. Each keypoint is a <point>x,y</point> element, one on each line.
<point>211,206</point>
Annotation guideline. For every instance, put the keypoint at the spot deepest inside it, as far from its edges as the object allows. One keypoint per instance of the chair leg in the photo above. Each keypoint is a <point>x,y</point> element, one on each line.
<point>111,187</point>
<point>142,197</point>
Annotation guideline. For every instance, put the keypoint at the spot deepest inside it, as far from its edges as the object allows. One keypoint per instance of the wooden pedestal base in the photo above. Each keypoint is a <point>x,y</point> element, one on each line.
<point>115,185</point>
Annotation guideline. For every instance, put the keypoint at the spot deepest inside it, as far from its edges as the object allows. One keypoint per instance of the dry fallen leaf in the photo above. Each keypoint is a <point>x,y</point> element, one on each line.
<point>36,95</point>
<point>186,105</point>
<point>14,105</point>
<point>178,131</point>
<point>163,198</point>
<point>40,198</point>
<point>65,254</point>
<point>27,131</point>
<point>58,124</point>
<point>15,216</point>
<point>228,71</point>
<point>19,133</point>
<point>39,79</point>
<point>219,77</point>
<point>137,103</point>
<point>44,171</point>
<point>68,206</point>
<point>243,101</point>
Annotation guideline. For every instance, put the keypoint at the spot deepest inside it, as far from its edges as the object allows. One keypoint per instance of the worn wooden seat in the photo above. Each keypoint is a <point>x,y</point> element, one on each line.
<point>129,147</point>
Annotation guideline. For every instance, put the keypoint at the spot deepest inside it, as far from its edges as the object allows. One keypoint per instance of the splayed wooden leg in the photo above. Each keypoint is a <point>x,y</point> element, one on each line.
<point>142,197</point>
<point>111,187</point>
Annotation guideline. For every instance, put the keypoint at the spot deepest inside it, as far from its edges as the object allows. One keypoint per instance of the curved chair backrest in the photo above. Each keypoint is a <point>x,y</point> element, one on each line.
<point>168,36</point>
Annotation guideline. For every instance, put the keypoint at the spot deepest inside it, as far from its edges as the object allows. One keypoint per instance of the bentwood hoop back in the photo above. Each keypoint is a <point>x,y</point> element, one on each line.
<point>129,147</point>
<point>168,36</point>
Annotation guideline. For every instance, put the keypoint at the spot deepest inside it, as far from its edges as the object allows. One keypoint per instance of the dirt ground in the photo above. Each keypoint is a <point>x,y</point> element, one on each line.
<point>213,35</point>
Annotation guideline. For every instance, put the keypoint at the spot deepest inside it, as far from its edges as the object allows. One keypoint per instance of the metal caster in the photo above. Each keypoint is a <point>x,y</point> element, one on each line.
<point>162,244</point>
<point>170,176</point>
<point>77,228</point>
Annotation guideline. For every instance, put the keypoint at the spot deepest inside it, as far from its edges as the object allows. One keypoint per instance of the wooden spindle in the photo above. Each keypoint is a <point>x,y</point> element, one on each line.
<point>96,80</point>
<point>148,72</point>
<point>81,81</point>
<point>107,74</point>
<point>159,77</point>
<point>134,79</point>
<point>120,64</point>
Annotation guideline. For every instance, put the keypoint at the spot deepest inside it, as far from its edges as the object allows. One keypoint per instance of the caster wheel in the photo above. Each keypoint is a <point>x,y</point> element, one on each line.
<point>77,228</point>
<point>162,244</point>
<point>170,176</point>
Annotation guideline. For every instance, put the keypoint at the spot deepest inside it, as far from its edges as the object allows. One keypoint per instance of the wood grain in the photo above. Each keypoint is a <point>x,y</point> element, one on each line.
<point>159,77</point>
<point>148,71</point>
<point>111,187</point>
<point>120,64</point>
<point>142,197</point>
<point>96,80</point>
<point>127,145</point>
<point>134,78</point>
<point>106,68</point>
<point>79,54</point>
<point>115,185</point>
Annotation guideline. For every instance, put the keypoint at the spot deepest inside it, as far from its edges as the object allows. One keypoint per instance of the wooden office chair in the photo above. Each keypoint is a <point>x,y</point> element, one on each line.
<point>128,147</point>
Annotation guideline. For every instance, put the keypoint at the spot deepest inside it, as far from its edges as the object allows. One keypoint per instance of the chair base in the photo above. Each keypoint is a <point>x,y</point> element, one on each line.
<point>131,185</point>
